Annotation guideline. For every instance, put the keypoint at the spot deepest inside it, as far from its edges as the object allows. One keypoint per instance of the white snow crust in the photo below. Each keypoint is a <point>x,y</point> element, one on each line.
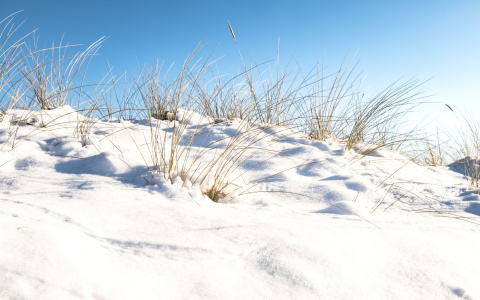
<point>77,221</point>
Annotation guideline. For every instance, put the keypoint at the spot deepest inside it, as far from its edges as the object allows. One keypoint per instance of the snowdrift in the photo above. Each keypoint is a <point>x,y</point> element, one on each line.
<point>84,215</point>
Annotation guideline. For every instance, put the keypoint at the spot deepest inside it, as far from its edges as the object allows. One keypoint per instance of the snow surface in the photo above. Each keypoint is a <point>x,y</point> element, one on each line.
<point>79,222</point>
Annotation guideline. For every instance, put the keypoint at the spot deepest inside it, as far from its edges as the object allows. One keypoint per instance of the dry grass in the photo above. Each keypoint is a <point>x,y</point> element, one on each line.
<point>327,113</point>
<point>377,120</point>
<point>261,97</point>
<point>466,148</point>
<point>52,76</point>
<point>11,58</point>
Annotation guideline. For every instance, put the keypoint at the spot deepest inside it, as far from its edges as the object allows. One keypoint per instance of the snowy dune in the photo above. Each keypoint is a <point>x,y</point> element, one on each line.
<point>86,219</point>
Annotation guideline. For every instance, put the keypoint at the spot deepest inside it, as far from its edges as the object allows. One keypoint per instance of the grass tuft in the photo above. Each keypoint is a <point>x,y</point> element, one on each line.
<point>204,126</point>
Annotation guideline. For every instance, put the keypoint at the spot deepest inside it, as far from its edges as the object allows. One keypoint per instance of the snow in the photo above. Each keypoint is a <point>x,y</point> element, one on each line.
<point>317,222</point>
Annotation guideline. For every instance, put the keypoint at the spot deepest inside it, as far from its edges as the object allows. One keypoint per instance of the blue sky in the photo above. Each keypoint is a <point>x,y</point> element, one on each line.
<point>395,39</point>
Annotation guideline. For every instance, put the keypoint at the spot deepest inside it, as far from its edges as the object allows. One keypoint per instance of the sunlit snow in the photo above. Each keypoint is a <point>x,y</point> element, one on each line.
<point>300,219</point>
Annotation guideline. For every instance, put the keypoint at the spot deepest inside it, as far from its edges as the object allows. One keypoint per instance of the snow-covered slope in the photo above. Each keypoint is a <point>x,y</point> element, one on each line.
<point>83,218</point>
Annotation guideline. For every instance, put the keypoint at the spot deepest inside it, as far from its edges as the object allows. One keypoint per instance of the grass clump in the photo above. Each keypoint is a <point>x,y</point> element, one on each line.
<point>186,106</point>
<point>11,58</point>
<point>465,149</point>
<point>51,75</point>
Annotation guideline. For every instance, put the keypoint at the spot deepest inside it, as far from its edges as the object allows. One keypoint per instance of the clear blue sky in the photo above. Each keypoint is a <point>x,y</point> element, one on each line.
<point>425,39</point>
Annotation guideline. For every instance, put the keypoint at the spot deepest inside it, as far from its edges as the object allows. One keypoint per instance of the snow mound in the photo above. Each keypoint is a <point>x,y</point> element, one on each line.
<point>296,218</point>
<point>466,165</point>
